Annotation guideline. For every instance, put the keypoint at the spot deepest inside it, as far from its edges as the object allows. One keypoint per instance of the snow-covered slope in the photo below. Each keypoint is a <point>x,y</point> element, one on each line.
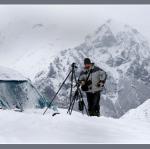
<point>141,113</point>
<point>33,62</point>
<point>122,52</point>
<point>32,127</point>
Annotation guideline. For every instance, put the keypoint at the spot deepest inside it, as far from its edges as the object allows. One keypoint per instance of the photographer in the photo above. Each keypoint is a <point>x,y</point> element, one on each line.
<point>92,80</point>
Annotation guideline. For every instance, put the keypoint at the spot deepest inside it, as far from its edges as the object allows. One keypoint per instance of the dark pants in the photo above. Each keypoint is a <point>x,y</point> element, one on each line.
<point>93,100</point>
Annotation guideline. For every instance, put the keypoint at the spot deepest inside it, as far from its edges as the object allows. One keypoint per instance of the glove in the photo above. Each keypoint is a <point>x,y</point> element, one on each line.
<point>100,84</point>
<point>82,83</point>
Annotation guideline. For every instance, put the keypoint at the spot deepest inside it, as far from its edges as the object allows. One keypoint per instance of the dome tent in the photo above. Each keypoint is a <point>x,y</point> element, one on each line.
<point>16,91</point>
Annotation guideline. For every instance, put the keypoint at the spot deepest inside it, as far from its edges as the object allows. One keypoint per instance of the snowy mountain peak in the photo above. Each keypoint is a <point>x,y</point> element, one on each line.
<point>112,33</point>
<point>117,28</point>
<point>114,26</point>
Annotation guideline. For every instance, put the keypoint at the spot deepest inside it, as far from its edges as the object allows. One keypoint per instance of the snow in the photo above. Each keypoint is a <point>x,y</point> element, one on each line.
<point>10,74</point>
<point>141,113</point>
<point>32,127</point>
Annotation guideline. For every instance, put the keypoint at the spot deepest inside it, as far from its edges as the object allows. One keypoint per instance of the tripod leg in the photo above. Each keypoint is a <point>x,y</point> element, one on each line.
<point>72,107</point>
<point>71,90</point>
<point>71,86</point>
<point>80,94</point>
<point>57,91</point>
<point>69,107</point>
<point>76,95</point>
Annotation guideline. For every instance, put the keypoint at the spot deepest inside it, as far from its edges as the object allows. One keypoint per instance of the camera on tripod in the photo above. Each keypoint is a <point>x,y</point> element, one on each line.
<point>74,65</point>
<point>77,96</point>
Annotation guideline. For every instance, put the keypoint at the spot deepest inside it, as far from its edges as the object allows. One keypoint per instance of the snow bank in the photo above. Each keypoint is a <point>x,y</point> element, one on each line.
<point>141,113</point>
<point>32,127</point>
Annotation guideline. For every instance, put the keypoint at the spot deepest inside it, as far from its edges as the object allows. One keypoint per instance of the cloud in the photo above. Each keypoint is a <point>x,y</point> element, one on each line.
<point>70,23</point>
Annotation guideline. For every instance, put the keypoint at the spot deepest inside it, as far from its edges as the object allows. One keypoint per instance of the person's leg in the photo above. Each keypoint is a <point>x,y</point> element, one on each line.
<point>97,104</point>
<point>90,103</point>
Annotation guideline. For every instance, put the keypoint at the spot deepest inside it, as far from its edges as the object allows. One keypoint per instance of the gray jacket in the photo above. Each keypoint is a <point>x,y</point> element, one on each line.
<point>96,75</point>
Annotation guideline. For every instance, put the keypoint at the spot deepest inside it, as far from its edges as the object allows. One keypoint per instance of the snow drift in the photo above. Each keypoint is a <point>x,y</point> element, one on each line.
<point>32,127</point>
<point>141,113</point>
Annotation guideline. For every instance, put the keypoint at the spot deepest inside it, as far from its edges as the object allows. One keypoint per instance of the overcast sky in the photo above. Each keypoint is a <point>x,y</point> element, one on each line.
<point>78,20</point>
<point>69,24</point>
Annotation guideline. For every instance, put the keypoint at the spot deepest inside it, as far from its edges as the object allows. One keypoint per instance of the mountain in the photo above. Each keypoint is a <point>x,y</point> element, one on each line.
<point>118,49</point>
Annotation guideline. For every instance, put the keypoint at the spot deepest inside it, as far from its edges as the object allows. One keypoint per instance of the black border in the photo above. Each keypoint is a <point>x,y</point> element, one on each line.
<point>74,1</point>
<point>75,146</point>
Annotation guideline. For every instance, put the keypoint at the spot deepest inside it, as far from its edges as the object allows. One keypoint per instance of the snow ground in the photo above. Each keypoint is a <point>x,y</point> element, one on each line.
<point>32,127</point>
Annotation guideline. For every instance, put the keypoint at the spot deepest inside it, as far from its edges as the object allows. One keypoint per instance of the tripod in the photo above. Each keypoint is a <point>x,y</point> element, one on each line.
<point>72,98</point>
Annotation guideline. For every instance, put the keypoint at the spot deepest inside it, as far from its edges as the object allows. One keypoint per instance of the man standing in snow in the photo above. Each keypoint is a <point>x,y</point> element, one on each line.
<point>92,80</point>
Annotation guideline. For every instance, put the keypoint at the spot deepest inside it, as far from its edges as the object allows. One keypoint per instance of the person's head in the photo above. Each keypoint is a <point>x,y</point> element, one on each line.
<point>87,63</point>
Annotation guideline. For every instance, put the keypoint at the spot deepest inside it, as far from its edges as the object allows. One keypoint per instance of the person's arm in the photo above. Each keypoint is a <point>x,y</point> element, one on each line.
<point>102,77</point>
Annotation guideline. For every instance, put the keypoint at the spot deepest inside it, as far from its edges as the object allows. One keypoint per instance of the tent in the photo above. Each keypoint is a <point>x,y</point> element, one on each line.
<point>17,92</point>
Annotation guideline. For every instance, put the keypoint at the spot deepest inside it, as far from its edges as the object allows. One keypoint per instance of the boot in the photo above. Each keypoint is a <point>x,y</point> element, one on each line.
<point>97,113</point>
<point>91,113</point>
